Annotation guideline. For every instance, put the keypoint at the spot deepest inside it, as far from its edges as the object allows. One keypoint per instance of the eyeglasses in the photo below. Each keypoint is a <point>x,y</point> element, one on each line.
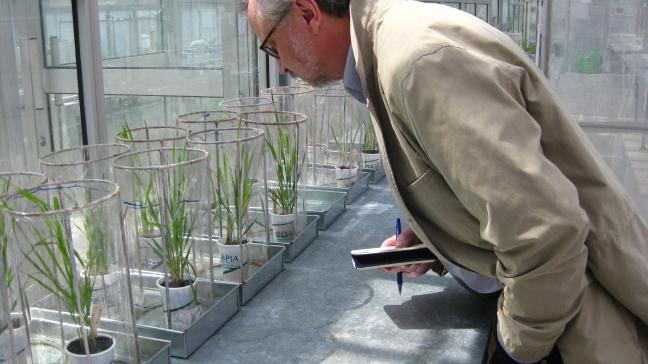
<point>268,49</point>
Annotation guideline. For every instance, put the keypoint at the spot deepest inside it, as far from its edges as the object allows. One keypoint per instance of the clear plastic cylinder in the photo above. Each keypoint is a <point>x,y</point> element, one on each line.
<point>84,162</point>
<point>341,137</point>
<point>247,104</point>
<point>300,99</point>
<point>68,252</point>
<point>13,337</point>
<point>167,202</point>
<point>286,161</point>
<point>291,98</point>
<point>205,120</point>
<point>239,187</point>
<point>151,137</point>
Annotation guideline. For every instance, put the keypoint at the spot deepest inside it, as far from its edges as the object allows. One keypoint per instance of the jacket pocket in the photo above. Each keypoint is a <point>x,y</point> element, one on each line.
<point>430,197</point>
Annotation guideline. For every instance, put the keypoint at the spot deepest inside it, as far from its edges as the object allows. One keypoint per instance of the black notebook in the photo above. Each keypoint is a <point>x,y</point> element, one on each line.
<point>391,257</point>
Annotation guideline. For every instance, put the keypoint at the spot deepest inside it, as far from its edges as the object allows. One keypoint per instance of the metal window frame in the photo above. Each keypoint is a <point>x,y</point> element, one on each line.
<point>87,44</point>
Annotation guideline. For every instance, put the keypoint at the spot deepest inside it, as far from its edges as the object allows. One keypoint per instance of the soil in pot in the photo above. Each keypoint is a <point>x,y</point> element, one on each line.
<point>100,344</point>
<point>185,283</point>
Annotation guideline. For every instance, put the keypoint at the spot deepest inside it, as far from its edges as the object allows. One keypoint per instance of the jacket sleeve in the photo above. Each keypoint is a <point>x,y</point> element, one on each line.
<point>468,114</point>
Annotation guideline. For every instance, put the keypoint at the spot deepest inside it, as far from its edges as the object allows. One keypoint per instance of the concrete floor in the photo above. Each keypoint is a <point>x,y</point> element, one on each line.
<point>320,310</point>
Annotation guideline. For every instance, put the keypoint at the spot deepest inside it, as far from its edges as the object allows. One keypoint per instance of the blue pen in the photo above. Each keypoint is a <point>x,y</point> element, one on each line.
<point>399,275</point>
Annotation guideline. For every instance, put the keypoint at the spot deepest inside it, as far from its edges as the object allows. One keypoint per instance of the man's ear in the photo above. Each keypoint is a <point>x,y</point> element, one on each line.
<point>310,12</point>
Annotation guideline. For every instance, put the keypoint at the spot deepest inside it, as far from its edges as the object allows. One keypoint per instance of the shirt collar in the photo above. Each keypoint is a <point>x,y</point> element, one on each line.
<point>351,79</point>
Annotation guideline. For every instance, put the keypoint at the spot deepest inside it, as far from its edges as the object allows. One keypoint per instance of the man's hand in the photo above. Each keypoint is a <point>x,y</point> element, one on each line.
<point>407,238</point>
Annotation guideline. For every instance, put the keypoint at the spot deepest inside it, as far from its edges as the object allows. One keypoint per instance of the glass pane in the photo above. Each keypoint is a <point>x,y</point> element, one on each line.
<point>59,33</point>
<point>529,44</point>
<point>598,65</point>
<point>201,49</point>
<point>482,12</point>
<point>504,16</point>
<point>469,8</point>
<point>65,120</point>
<point>515,11</point>
<point>139,111</point>
<point>64,115</point>
<point>31,43</point>
<point>494,8</point>
<point>157,33</point>
<point>599,60</point>
<point>520,18</point>
<point>454,5</point>
<point>625,154</point>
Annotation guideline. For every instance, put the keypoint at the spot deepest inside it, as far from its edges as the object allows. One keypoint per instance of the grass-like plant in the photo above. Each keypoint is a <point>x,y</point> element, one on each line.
<point>53,258</point>
<point>7,271</point>
<point>149,208</point>
<point>288,168</point>
<point>176,247</point>
<point>346,147</point>
<point>96,233</point>
<point>233,190</point>
<point>126,132</point>
<point>369,142</point>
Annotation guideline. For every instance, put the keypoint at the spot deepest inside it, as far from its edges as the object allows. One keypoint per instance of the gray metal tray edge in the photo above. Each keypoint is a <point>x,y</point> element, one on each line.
<point>332,212</point>
<point>272,268</point>
<point>301,241</point>
<point>184,343</point>
<point>376,173</point>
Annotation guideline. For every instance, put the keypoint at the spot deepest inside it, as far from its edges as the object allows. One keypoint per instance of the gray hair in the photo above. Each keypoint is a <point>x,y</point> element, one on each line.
<point>272,10</point>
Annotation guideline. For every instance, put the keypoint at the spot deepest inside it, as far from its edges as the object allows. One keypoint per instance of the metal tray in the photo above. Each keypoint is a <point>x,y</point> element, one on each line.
<point>353,192</point>
<point>301,241</point>
<point>328,205</point>
<point>152,351</point>
<point>376,174</point>
<point>218,302</point>
<point>266,262</point>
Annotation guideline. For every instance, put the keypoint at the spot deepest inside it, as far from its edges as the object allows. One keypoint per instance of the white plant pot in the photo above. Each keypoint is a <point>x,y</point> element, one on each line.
<point>179,297</point>
<point>371,160</point>
<point>19,338</point>
<point>233,259</point>
<point>104,357</point>
<point>283,227</point>
<point>346,177</point>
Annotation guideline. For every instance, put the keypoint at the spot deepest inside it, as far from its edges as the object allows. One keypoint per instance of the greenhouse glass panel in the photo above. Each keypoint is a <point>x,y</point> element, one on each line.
<point>598,64</point>
<point>482,12</point>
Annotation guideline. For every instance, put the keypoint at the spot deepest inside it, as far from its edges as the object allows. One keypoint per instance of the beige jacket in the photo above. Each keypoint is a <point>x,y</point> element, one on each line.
<point>495,177</point>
